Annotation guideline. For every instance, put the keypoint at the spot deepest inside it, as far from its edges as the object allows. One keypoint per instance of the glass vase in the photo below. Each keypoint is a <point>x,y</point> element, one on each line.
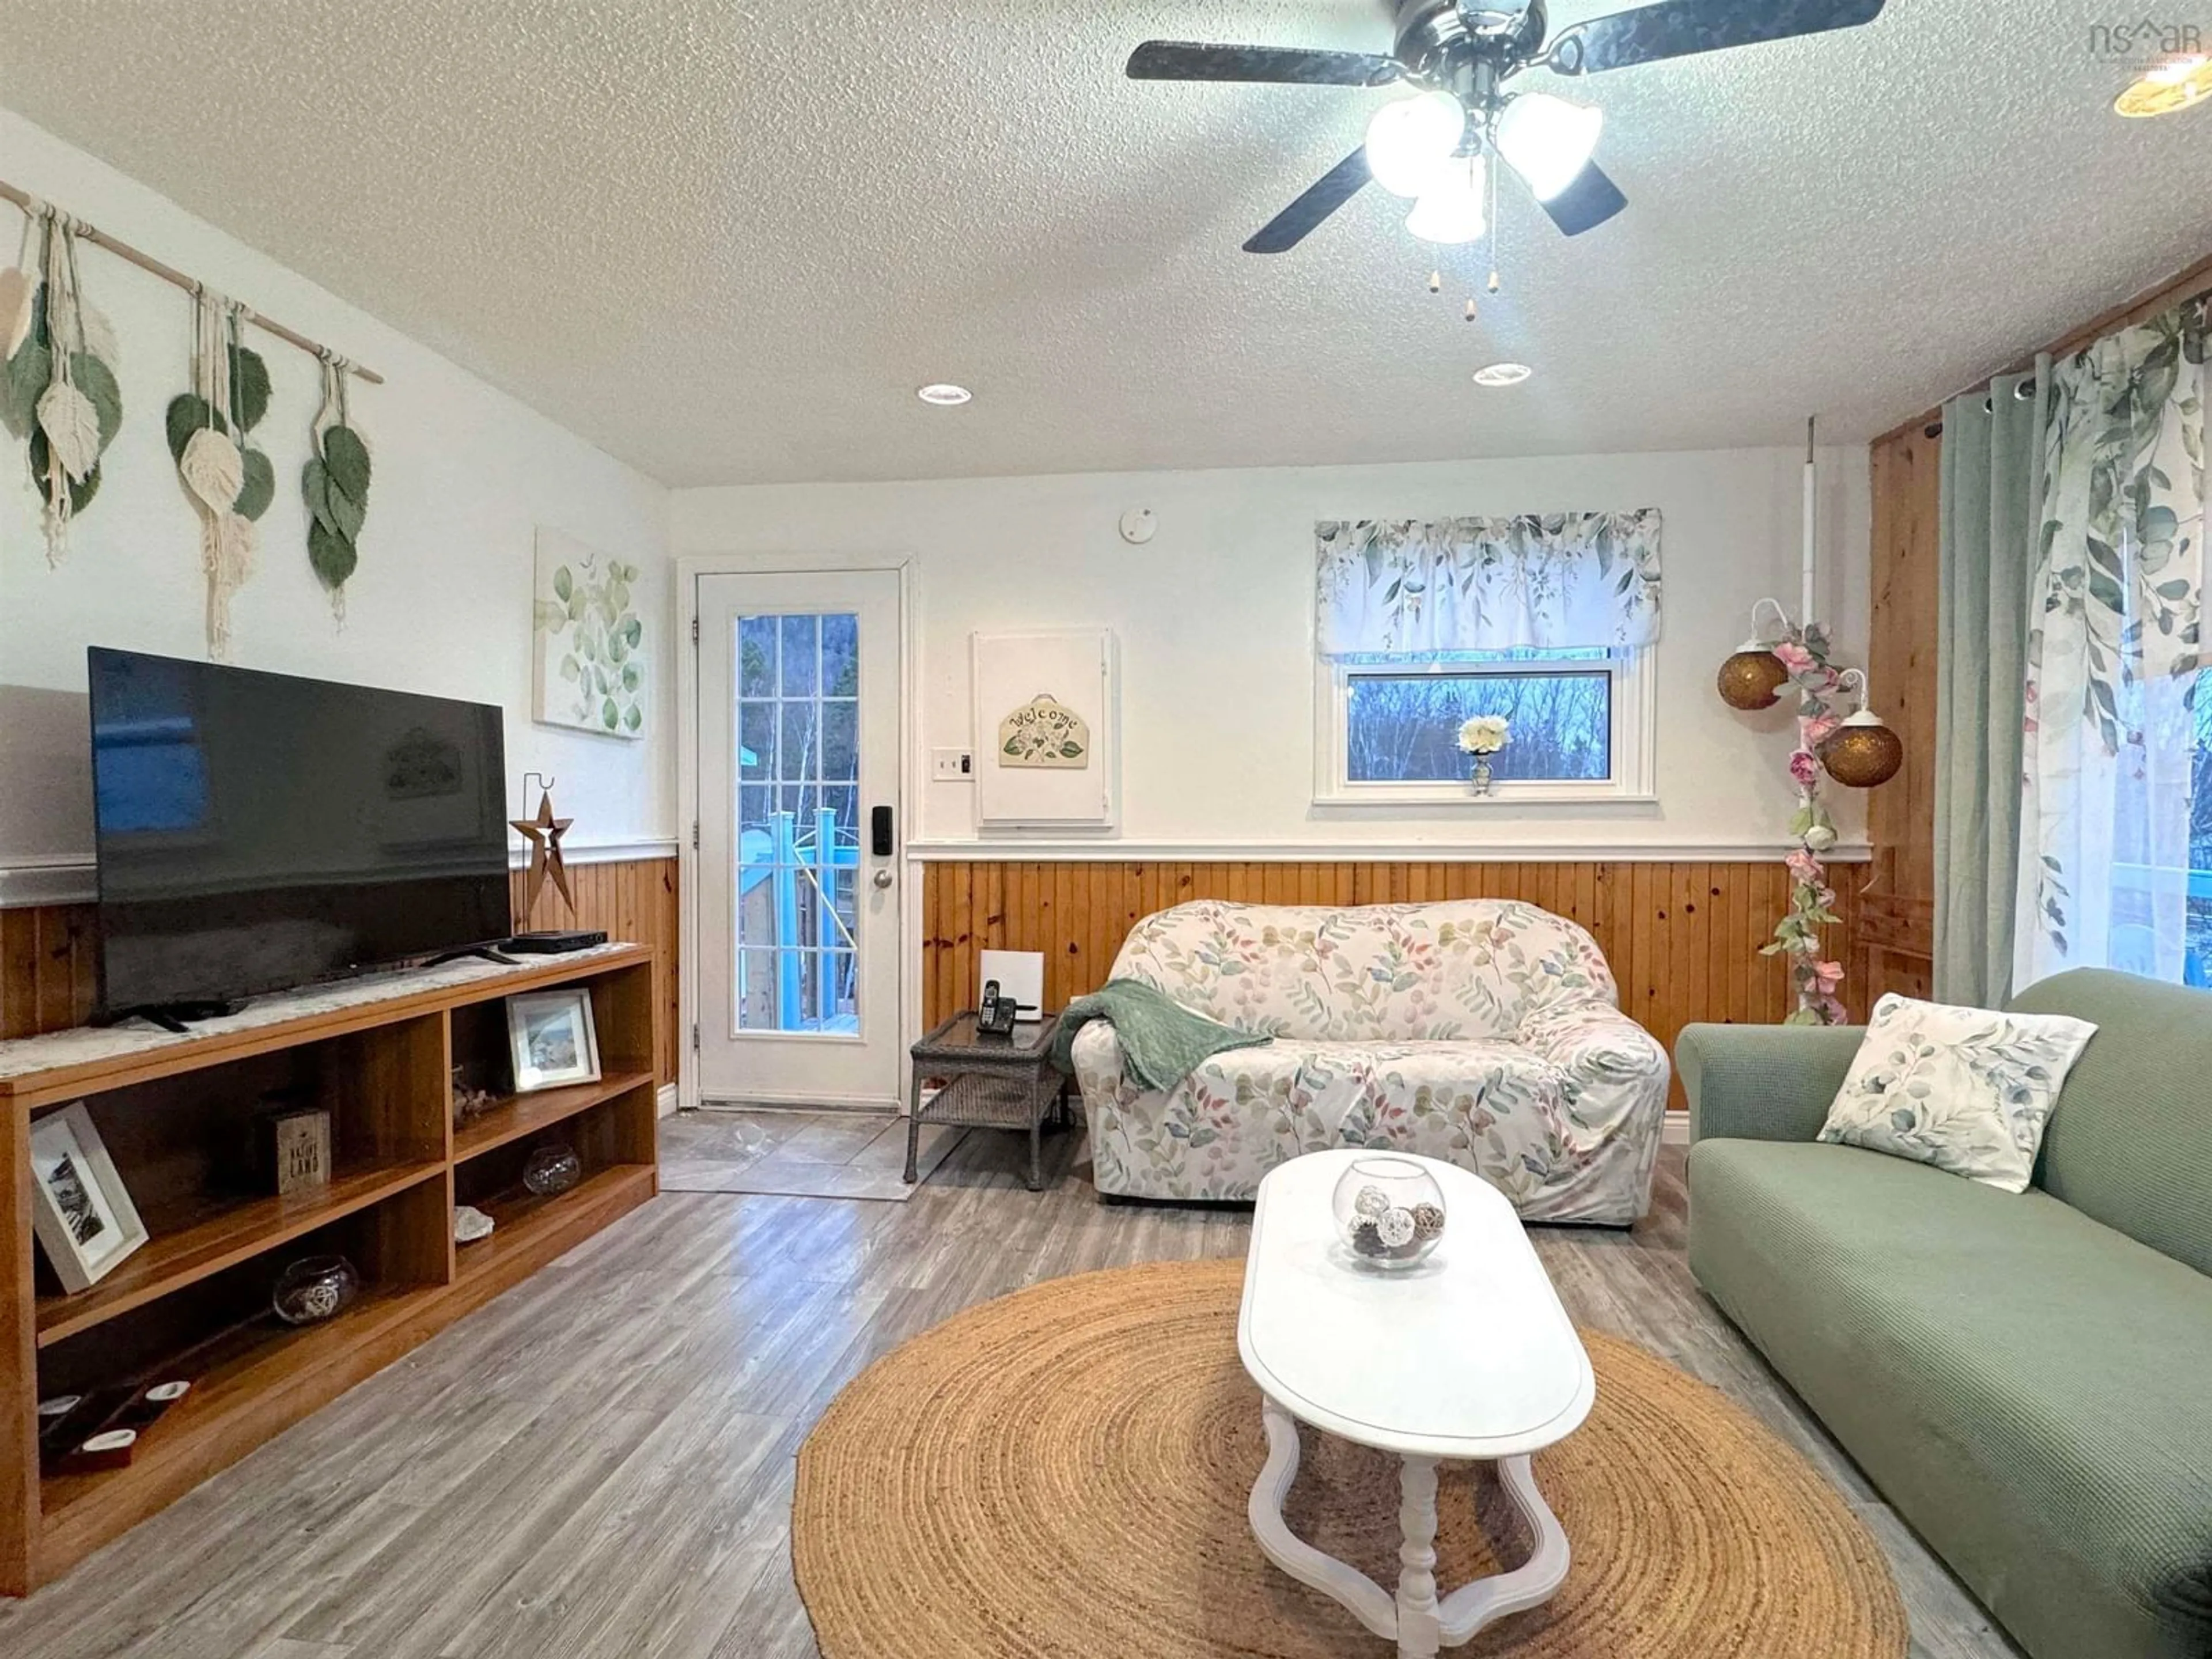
<point>315,1288</point>
<point>1389,1212</point>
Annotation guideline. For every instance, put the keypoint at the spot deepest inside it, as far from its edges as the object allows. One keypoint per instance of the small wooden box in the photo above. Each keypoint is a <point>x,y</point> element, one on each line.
<point>299,1149</point>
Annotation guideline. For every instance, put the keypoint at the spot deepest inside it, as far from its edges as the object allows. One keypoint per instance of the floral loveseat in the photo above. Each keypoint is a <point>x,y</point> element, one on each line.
<point>1484,1032</point>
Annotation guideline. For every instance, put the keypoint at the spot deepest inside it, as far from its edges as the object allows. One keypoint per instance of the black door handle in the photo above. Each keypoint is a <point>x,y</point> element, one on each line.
<point>879,831</point>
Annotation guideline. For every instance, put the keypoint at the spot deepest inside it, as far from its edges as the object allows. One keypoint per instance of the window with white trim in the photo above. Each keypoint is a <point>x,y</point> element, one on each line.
<point>1582,723</point>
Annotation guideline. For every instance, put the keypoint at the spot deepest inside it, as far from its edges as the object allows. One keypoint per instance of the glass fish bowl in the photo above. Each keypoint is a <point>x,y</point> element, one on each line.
<point>1389,1212</point>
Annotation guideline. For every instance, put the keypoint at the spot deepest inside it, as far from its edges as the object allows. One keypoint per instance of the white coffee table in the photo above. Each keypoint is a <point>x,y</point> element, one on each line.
<point>1468,1355</point>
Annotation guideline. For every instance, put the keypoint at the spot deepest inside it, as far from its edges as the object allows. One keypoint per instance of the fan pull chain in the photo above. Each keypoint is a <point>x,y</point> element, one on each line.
<point>1490,183</point>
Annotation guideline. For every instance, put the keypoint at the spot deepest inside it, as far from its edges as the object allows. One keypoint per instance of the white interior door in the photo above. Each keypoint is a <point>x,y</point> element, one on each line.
<point>800,915</point>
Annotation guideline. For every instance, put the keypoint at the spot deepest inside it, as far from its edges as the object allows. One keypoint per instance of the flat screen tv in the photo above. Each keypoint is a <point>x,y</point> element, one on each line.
<point>257,831</point>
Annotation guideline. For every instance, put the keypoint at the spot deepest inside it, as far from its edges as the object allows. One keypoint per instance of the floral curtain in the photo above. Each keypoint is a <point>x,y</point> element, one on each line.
<point>2113,652</point>
<point>1550,581</point>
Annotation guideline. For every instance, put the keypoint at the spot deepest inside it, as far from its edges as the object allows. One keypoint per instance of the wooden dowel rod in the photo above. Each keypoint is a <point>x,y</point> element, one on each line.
<point>169,274</point>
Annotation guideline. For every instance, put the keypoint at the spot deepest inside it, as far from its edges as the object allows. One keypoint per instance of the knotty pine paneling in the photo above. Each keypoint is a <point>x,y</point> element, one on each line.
<point>48,967</point>
<point>1895,950</point>
<point>634,900</point>
<point>1683,938</point>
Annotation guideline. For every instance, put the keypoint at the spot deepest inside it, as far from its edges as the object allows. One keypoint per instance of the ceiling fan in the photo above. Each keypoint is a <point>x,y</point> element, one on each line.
<point>1459,58</point>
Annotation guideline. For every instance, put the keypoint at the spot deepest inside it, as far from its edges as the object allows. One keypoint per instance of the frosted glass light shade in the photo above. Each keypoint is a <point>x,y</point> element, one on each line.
<point>1409,140</point>
<point>1451,208</point>
<point>1548,141</point>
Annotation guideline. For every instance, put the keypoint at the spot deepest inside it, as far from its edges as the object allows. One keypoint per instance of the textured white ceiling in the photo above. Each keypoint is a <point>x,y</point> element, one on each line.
<point>726,241</point>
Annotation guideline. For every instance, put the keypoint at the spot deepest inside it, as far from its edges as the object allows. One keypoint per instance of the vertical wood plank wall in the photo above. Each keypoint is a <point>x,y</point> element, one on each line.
<point>1682,938</point>
<point>47,971</point>
<point>1896,936</point>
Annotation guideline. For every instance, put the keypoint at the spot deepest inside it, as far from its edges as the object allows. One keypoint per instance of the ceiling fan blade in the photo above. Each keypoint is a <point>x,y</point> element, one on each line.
<point>1678,28</point>
<point>1197,60</point>
<point>1586,203</point>
<point>1322,197</point>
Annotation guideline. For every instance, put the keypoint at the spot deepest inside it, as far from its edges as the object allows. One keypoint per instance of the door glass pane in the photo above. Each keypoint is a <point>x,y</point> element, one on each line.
<point>840,656</point>
<point>840,734</point>
<point>756,657</point>
<point>800,757</point>
<point>797,842</point>
<point>800,635</point>
<point>755,740</point>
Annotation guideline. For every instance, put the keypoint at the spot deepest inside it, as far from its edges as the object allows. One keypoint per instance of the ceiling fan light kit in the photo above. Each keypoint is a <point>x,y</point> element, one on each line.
<point>1459,56</point>
<point>1411,140</point>
<point>1452,209</point>
<point>1548,141</point>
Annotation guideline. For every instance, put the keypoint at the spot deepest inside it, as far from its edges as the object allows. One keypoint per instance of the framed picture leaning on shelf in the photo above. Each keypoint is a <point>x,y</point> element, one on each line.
<point>84,1219</point>
<point>552,1039</point>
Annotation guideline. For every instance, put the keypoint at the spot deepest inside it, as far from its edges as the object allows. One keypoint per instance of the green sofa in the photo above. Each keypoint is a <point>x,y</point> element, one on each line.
<point>2026,1378</point>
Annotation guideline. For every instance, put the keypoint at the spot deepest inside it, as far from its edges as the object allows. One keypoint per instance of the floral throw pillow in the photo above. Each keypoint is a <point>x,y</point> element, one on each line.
<point>1967,1089</point>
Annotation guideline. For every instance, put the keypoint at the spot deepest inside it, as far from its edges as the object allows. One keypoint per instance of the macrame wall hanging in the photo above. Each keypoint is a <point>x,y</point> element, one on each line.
<point>229,483</point>
<point>59,391</point>
<point>335,482</point>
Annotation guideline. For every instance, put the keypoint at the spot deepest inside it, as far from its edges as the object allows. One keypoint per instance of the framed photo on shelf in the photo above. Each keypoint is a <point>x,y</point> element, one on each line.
<point>552,1039</point>
<point>83,1217</point>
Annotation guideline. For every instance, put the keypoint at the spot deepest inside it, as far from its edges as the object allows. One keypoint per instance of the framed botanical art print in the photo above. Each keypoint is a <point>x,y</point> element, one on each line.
<point>590,656</point>
<point>83,1219</point>
<point>552,1039</point>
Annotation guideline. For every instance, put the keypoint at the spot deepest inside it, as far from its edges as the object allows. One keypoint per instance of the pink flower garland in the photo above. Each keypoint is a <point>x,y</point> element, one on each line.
<point>1804,653</point>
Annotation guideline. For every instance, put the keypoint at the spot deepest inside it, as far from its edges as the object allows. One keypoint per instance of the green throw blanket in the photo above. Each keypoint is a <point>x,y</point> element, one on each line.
<point>1162,1041</point>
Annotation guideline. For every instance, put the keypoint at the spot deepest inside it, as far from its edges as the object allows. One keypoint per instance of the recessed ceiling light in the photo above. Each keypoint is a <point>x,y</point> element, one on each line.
<point>945,394</point>
<point>1502,374</point>
<point>2176,84</point>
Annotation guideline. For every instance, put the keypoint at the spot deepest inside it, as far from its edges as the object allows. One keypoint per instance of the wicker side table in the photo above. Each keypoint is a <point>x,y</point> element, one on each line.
<point>990,1083</point>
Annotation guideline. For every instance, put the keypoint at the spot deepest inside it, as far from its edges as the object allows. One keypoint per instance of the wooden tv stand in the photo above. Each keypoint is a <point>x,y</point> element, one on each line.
<point>176,1113</point>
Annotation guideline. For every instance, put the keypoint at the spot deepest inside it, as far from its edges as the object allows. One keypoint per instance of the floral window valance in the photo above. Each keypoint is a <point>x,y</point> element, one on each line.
<point>1540,581</point>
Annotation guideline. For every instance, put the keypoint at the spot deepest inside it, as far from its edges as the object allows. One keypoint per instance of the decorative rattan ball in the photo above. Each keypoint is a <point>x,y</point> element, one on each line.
<point>1862,753</point>
<point>1753,678</point>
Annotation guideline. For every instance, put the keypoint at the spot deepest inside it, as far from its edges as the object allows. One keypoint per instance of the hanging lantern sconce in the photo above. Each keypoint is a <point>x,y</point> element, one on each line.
<point>1862,753</point>
<point>1753,677</point>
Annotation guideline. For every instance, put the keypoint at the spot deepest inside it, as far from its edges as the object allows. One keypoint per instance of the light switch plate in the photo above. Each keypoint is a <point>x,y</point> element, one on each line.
<point>952,765</point>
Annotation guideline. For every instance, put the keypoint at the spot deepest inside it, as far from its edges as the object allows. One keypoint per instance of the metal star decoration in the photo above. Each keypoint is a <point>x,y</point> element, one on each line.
<point>543,833</point>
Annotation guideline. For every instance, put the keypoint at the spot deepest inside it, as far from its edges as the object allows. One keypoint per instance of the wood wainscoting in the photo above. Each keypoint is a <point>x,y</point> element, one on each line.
<point>1683,938</point>
<point>48,968</point>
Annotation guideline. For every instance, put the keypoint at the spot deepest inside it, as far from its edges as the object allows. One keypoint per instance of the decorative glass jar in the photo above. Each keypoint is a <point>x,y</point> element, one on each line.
<point>1389,1210</point>
<point>315,1288</point>
<point>552,1169</point>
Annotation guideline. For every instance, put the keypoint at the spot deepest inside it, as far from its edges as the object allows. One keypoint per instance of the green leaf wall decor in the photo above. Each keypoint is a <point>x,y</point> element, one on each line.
<point>334,484</point>
<point>592,668</point>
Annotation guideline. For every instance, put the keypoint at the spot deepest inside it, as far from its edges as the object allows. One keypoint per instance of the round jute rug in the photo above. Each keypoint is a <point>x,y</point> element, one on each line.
<point>1063,1471</point>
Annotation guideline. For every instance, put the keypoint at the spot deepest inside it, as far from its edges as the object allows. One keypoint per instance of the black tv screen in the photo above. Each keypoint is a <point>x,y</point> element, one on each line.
<point>261,830</point>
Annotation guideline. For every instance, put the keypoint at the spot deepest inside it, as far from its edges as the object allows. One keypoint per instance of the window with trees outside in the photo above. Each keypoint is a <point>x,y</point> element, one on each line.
<point>1579,719</point>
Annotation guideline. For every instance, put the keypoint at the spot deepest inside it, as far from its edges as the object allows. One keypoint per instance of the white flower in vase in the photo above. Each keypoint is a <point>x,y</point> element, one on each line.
<point>1483,737</point>
<point>1485,734</point>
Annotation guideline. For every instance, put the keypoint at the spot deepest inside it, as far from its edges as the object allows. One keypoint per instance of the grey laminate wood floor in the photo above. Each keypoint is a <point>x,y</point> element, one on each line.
<point>599,1462</point>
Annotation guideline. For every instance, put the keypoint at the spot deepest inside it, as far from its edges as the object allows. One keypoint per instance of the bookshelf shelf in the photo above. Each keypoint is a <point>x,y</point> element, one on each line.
<point>520,1115</point>
<point>191,1303</point>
